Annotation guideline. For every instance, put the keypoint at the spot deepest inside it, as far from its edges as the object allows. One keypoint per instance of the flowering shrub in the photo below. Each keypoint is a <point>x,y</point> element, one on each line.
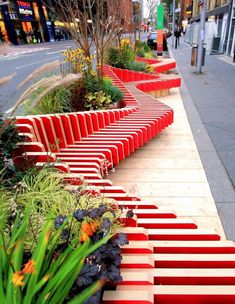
<point>97,219</point>
<point>44,274</point>
<point>79,61</point>
<point>56,223</point>
<point>126,43</point>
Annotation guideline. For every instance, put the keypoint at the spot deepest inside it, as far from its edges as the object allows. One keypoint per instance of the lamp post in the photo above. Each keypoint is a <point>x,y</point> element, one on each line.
<point>173,24</point>
<point>201,38</point>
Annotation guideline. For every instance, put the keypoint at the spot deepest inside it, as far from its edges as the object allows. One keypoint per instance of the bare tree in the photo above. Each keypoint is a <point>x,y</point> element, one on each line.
<point>151,5</point>
<point>90,22</point>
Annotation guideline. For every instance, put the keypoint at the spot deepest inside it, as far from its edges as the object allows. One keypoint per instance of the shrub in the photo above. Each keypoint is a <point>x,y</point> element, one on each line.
<point>119,58</point>
<point>136,66</point>
<point>115,93</point>
<point>44,274</point>
<point>149,69</point>
<point>149,55</point>
<point>57,101</point>
<point>78,60</point>
<point>115,58</point>
<point>92,85</point>
<point>8,141</point>
<point>53,225</point>
<point>142,48</point>
<point>97,101</point>
<point>140,52</point>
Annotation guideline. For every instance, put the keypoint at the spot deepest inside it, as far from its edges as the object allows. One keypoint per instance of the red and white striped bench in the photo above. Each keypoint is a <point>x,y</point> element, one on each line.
<point>168,260</point>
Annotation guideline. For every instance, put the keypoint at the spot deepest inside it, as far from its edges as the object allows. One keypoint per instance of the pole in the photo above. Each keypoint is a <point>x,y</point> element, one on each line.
<point>173,24</point>
<point>201,38</point>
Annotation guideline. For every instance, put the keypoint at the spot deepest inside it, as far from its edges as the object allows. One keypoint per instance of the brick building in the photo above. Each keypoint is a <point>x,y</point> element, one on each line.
<point>123,11</point>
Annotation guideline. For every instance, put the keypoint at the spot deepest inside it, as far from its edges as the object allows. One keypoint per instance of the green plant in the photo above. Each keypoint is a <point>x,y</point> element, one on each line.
<point>78,60</point>
<point>115,58</point>
<point>136,66</point>
<point>82,214</point>
<point>107,87</point>
<point>44,192</point>
<point>149,55</point>
<point>57,101</point>
<point>9,138</point>
<point>4,209</point>
<point>142,48</point>
<point>149,69</point>
<point>91,83</point>
<point>140,52</point>
<point>119,57</point>
<point>43,275</point>
<point>97,101</point>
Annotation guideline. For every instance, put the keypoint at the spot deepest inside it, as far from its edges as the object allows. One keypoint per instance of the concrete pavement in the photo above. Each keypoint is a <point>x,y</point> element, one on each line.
<point>167,171</point>
<point>209,101</point>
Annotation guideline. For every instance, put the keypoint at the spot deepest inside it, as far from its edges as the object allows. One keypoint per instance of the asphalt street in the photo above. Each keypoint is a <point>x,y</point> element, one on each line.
<point>23,64</point>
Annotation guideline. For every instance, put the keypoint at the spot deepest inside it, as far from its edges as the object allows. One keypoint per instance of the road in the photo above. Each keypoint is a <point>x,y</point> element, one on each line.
<point>23,64</point>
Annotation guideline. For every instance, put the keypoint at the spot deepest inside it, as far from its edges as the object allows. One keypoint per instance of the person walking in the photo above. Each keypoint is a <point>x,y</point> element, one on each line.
<point>2,39</point>
<point>177,34</point>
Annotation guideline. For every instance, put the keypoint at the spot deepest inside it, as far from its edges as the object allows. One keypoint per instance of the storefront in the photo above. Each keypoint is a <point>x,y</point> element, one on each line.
<point>25,22</point>
<point>231,36</point>
<point>3,31</point>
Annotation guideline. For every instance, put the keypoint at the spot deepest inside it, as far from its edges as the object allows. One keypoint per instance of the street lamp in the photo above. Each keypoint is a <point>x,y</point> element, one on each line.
<point>201,36</point>
<point>173,24</point>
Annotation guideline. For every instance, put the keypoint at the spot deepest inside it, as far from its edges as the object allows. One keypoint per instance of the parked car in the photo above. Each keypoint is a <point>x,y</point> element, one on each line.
<point>152,40</point>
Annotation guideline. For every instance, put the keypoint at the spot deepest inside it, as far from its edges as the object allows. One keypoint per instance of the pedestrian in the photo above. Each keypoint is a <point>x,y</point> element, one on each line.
<point>165,48</point>
<point>1,36</point>
<point>177,35</point>
<point>23,36</point>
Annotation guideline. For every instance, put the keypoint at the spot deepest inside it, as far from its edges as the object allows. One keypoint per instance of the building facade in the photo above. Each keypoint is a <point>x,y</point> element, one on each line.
<point>24,22</point>
<point>186,10</point>
<point>231,33</point>
<point>217,24</point>
<point>123,11</point>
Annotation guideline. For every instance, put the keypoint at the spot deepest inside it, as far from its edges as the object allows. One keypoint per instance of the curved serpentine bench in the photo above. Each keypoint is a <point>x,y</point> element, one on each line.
<point>168,259</point>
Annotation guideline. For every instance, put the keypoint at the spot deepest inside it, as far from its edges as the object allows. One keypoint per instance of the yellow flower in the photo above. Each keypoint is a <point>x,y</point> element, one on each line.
<point>18,278</point>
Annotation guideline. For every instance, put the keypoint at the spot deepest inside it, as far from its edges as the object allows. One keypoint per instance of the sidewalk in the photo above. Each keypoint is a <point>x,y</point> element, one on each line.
<point>168,171</point>
<point>9,50</point>
<point>209,101</point>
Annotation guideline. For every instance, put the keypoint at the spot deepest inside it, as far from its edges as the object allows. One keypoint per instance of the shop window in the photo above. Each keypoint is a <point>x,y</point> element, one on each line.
<point>219,27</point>
<point>231,35</point>
<point>3,36</point>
